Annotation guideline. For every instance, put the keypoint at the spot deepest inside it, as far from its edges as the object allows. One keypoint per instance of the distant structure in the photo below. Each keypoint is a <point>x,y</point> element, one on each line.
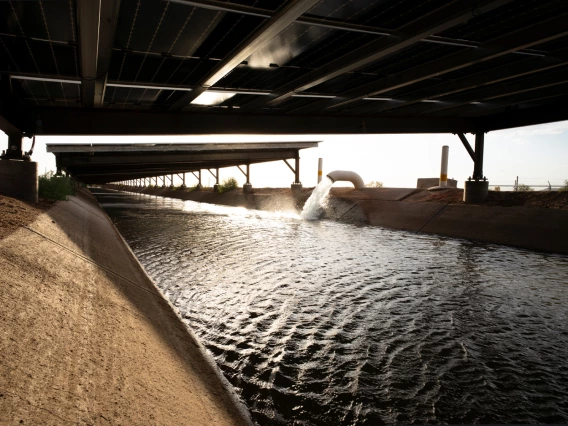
<point>425,183</point>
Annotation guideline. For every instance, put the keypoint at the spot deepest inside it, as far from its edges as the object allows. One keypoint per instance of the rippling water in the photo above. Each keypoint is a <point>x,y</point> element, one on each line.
<point>322,323</point>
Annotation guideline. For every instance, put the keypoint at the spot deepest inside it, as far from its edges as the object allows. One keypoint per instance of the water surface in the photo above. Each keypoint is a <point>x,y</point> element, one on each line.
<point>320,323</point>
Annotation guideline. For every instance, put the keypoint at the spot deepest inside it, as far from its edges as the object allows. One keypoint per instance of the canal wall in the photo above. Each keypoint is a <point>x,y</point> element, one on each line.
<point>501,221</point>
<point>87,338</point>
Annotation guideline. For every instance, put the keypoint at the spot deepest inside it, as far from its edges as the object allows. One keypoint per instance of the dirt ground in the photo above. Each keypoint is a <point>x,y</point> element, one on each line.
<point>15,213</point>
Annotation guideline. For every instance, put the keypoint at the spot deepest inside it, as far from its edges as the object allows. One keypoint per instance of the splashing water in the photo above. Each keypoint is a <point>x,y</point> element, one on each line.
<point>314,206</point>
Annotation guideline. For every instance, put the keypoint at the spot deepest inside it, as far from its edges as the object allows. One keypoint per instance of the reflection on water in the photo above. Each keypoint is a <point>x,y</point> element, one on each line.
<point>319,323</point>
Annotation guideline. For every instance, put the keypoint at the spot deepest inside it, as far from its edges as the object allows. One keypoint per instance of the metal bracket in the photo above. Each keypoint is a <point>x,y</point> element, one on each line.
<point>214,175</point>
<point>242,171</point>
<point>291,168</point>
<point>468,147</point>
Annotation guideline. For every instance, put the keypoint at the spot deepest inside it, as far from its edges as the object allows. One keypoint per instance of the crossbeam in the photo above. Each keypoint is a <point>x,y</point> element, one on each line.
<point>274,26</point>
<point>97,26</point>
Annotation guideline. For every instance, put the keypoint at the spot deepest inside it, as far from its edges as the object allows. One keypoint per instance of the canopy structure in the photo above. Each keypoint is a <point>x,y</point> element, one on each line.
<point>99,164</point>
<point>283,67</point>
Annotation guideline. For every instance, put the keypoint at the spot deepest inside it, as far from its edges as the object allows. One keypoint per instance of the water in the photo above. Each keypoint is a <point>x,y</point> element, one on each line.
<point>322,323</point>
<point>315,204</point>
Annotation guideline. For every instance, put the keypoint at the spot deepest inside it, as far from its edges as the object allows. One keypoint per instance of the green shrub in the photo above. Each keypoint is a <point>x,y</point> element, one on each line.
<point>227,185</point>
<point>523,187</point>
<point>52,187</point>
<point>565,187</point>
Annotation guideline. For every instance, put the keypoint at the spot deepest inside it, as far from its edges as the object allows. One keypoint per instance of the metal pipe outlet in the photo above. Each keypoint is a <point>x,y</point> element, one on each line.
<point>347,176</point>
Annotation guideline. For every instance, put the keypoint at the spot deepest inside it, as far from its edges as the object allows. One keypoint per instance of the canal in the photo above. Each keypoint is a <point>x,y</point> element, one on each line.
<point>319,323</point>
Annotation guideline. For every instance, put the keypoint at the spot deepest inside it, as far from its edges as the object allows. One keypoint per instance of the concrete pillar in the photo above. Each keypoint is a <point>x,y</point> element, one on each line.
<point>475,191</point>
<point>18,179</point>
<point>183,180</point>
<point>172,181</point>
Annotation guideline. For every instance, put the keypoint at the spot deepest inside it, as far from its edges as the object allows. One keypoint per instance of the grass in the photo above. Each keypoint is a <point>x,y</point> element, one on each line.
<point>228,185</point>
<point>52,187</point>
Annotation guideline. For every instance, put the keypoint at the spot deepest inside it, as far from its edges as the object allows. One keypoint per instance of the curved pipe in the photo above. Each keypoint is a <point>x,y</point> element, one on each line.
<point>346,176</point>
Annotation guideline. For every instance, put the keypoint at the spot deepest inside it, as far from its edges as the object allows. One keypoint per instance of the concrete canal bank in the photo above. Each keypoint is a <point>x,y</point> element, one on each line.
<point>85,336</point>
<point>536,221</point>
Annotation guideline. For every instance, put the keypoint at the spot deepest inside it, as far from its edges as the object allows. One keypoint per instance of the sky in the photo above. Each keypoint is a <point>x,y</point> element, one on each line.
<point>536,154</point>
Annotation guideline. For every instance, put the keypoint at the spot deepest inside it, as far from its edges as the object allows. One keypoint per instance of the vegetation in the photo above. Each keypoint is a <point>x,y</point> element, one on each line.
<point>523,187</point>
<point>374,184</point>
<point>565,187</point>
<point>228,185</point>
<point>53,187</point>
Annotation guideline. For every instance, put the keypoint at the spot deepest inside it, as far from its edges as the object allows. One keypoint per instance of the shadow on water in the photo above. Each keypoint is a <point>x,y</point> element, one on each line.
<point>318,323</point>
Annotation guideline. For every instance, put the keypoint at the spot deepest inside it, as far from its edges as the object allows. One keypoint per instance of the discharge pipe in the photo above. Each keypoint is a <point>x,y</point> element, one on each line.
<point>346,176</point>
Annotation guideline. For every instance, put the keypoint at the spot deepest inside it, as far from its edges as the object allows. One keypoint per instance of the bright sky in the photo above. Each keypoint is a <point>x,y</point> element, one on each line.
<point>536,154</point>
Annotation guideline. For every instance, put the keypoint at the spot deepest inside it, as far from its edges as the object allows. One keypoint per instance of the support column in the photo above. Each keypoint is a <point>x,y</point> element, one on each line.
<point>478,165</point>
<point>183,180</point>
<point>216,186</point>
<point>297,185</point>
<point>476,187</point>
<point>198,176</point>
<point>247,187</point>
<point>172,181</point>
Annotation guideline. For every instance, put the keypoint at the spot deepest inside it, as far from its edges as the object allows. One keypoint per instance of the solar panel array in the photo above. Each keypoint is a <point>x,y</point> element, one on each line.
<point>335,58</point>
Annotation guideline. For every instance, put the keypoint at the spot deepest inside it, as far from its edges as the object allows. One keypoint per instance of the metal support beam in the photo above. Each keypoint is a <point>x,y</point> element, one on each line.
<point>266,32</point>
<point>297,174</point>
<point>467,146</point>
<point>198,176</point>
<point>215,175</point>
<point>296,169</point>
<point>97,26</point>
<point>479,147</point>
<point>127,122</point>
<point>246,173</point>
<point>289,166</point>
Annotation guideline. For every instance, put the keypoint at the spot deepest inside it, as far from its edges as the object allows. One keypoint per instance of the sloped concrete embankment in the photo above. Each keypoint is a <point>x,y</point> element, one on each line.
<point>86,338</point>
<point>525,227</point>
